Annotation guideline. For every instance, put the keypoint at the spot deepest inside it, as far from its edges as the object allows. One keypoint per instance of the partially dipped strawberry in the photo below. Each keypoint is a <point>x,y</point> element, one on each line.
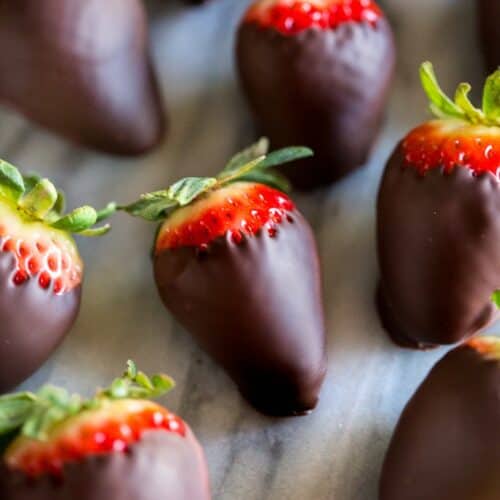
<point>236,263</point>
<point>317,72</point>
<point>489,13</point>
<point>41,270</point>
<point>119,445</point>
<point>82,69</point>
<point>446,444</point>
<point>438,225</point>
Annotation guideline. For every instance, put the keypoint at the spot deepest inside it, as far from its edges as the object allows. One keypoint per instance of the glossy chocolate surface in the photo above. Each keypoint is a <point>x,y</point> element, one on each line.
<point>82,69</point>
<point>325,89</point>
<point>256,308</point>
<point>162,466</point>
<point>438,240</point>
<point>33,322</point>
<point>446,445</point>
<point>489,14</point>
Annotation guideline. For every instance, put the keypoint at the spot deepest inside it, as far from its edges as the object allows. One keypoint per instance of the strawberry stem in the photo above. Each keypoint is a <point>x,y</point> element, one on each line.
<point>462,108</point>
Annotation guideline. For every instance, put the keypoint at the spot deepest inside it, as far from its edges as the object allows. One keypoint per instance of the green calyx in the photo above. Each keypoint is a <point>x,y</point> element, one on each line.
<point>253,164</point>
<point>38,200</point>
<point>461,107</point>
<point>33,415</point>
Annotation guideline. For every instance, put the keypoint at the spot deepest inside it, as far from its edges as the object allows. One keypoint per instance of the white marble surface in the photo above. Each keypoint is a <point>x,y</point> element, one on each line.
<point>336,452</point>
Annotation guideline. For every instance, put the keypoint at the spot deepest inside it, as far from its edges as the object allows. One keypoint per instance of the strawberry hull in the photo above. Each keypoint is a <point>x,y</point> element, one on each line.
<point>325,89</point>
<point>256,308</point>
<point>33,323</point>
<point>81,68</point>
<point>438,239</point>
<point>489,13</point>
<point>160,466</point>
<point>445,446</point>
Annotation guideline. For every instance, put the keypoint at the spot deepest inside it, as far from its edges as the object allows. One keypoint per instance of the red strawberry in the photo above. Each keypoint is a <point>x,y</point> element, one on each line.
<point>117,445</point>
<point>445,446</point>
<point>438,221</point>
<point>82,69</point>
<point>317,72</point>
<point>236,263</point>
<point>40,270</point>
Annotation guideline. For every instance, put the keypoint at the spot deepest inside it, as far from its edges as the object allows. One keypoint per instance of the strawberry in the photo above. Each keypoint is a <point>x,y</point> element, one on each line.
<point>118,445</point>
<point>236,263</point>
<point>82,69</point>
<point>445,446</point>
<point>437,221</point>
<point>318,73</point>
<point>40,270</point>
<point>489,12</point>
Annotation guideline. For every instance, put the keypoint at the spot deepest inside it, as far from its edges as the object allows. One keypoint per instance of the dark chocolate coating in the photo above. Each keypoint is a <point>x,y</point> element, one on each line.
<point>82,69</point>
<point>325,89</point>
<point>438,239</point>
<point>446,444</point>
<point>489,14</point>
<point>162,466</point>
<point>33,322</point>
<point>256,308</point>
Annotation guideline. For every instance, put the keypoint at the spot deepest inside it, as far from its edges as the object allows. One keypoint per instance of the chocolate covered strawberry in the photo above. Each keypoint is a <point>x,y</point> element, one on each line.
<point>118,445</point>
<point>82,69</point>
<point>236,263</point>
<point>446,444</point>
<point>489,13</point>
<point>317,72</point>
<point>40,270</point>
<point>438,221</point>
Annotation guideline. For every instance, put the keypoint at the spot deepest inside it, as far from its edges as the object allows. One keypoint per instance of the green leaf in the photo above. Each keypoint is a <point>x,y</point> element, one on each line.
<point>462,101</point>
<point>14,410</point>
<point>106,212</point>
<point>131,369</point>
<point>260,148</point>
<point>151,207</point>
<point>268,177</point>
<point>186,190</point>
<point>441,105</point>
<point>285,155</point>
<point>11,180</point>
<point>94,232</point>
<point>491,98</point>
<point>29,181</point>
<point>77,221</point>
<point>233,175</point>
<point>40,200</point>
<point>60,204</point>
<point>136,384</point>
<point>495,298</point>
